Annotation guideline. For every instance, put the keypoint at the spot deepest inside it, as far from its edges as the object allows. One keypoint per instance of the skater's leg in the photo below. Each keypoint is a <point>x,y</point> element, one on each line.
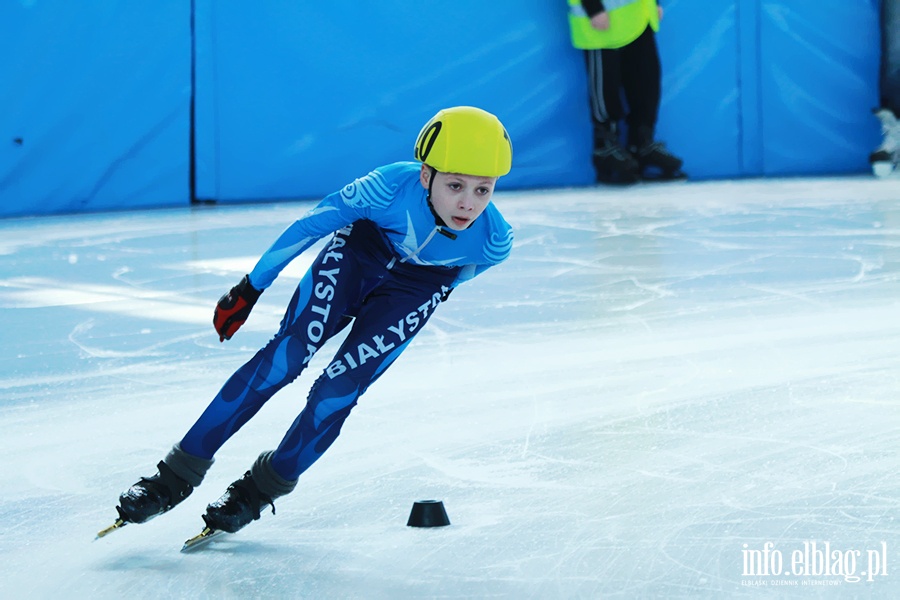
<point>316,312</point>
<point>245,392</point>
<point>386,324</point>
<point>330,290</point>
<point>388,320</point>
<point>385,295</point>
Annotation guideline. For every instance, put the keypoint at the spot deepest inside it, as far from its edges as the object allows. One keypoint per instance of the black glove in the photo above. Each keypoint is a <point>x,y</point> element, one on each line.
<point>234,307</point>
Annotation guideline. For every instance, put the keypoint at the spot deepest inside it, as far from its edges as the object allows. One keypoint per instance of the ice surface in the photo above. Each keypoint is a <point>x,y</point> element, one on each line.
<point>659,379</point>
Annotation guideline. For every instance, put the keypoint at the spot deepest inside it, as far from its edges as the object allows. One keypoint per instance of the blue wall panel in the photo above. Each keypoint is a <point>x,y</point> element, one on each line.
<point>293,99</point>
<point>768,87</point>
<point>299,98</point>
<point>93,105</point>
<point>750,146</point>
<point>818,79</point>
<point>700,113</point>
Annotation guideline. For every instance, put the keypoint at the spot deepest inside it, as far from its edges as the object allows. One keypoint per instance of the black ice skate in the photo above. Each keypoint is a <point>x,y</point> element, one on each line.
<point>241,503</point>
<point>152,496</point>
<point>613,163</point>
<point>657,163</point>
<point>178,474</point>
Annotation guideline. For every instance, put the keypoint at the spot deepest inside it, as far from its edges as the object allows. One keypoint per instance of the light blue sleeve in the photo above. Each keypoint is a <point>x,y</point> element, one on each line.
<point>360,199</point>
<point>497,248</point>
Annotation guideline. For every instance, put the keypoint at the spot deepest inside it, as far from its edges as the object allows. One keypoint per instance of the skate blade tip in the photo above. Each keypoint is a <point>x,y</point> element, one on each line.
<point>201,539</point>
<point>107,530</point>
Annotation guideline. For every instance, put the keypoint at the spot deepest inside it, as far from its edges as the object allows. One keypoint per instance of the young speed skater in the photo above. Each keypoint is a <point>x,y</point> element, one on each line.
<point>404,236</point>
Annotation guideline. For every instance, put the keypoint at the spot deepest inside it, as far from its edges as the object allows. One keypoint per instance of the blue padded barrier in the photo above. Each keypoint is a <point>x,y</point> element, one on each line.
<point>294,99</point>
<point>818,82</point>
<point>769,87</point>
<point>701,116</point>
<point>94,105</point>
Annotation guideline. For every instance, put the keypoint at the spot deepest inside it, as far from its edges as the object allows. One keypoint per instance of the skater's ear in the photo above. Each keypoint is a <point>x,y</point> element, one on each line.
<point>425,175</point>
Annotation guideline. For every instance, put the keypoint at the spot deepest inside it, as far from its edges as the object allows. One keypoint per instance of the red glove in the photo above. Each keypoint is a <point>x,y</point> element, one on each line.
<point>234,307</point>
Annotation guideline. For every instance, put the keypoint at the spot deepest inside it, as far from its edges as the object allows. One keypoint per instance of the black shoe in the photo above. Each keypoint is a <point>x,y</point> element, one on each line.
<point>656,162</point>
<point>240,504</point>
<point>614,164</point>
<point>152,496</point>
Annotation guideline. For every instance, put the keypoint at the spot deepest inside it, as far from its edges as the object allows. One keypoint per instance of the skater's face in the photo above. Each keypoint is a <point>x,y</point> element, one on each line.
<point>458,199</point>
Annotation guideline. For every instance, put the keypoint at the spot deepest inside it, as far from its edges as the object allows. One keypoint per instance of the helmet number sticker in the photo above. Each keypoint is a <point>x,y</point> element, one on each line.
<point>426,140</point>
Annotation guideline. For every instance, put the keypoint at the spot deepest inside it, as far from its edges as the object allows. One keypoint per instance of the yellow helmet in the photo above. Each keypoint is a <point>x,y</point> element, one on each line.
<point>465,140</point>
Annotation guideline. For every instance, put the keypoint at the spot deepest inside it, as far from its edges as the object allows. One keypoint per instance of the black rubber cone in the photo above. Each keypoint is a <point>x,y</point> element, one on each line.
<point>428,513</point>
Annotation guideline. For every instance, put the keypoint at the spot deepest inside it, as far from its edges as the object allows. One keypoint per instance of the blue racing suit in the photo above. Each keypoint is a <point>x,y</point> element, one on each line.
<point>386,269</point>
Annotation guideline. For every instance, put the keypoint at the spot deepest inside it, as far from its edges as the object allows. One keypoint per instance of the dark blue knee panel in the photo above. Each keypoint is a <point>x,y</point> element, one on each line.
<point>315,429</point>
<point>273,367</point>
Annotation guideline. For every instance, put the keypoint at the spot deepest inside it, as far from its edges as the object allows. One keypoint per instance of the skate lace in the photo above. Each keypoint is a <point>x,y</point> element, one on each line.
<point>251,494</point>
<point>654,147</point>
<point>167,484</point>
<point>616,152</point>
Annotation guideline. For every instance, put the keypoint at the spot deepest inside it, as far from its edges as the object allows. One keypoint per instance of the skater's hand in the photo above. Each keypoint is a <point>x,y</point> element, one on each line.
<point>234,307</point>
<point>600,21</point>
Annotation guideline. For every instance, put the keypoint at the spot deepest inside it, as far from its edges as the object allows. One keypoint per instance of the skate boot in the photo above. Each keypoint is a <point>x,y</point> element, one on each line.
<point>241,503</point>
<point>613,163</point>
<point>178,474</point>
<point>245,499</point>
<point>152,496</point>
<point>654,160</point>
<point>885,160</point>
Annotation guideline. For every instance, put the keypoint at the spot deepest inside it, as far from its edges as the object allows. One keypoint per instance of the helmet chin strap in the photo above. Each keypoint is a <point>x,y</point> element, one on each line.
<point>442,226</point>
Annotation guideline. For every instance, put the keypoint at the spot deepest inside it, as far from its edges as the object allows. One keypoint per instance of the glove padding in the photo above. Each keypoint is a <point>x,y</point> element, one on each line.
<point>234,307</point>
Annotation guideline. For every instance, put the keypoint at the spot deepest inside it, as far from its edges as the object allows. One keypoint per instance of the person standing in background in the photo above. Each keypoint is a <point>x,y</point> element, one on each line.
<point>619,42</point>
<point>886,157</point>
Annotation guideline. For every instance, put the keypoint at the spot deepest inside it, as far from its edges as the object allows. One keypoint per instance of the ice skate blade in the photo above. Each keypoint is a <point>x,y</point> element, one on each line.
<point>201,539</point>
<point>117,525</point>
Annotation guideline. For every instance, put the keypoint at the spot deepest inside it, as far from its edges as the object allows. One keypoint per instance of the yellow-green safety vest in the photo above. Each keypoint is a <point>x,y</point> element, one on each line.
<point>627,20</point>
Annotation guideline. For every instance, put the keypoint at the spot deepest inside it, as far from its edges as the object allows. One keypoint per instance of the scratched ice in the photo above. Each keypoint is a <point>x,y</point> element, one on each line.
<point>659,380</point>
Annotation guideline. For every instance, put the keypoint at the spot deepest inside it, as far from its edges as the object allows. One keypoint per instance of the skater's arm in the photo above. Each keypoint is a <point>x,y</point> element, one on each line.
<point>470,272</point>
<point>233,308</point>
<point>325,218</point>
<point>361,199</point>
